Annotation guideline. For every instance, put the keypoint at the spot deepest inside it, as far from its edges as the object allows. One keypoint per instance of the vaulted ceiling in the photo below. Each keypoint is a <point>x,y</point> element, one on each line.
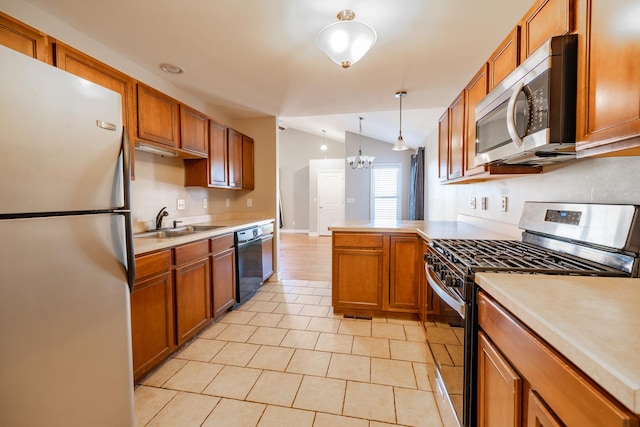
<point>259,57</point>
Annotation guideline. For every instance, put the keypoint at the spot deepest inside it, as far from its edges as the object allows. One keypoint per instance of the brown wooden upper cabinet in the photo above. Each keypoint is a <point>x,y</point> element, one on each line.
<point>608,104</point>
<point>158,117</point>
<point>218,155</point>
<point>443,146</point>
<point>23,38</point>
<point>456,138</point>
<point>81,65</point>
<point>248,179</point>
<point>194,128</point>
<point>505,58</point>
<point>477,89</point>
<point>546,18</point>
<point>234,147</point>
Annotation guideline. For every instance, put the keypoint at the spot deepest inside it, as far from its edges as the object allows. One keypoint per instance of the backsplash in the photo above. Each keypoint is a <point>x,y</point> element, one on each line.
<point>598,180</point>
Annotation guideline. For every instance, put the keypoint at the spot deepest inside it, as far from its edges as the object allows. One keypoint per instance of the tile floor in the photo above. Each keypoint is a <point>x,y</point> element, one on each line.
<point>284,359</point>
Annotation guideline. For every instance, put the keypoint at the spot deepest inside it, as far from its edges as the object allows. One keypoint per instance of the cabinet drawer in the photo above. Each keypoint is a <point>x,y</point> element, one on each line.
<point>221,243</point>
<point>152,264</point>
<point>191,252</point>
<point>357,240</point>
<point>572,396</point>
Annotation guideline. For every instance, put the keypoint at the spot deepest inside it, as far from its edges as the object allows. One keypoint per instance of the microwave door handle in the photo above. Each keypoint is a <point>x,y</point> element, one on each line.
<point>511,115</point>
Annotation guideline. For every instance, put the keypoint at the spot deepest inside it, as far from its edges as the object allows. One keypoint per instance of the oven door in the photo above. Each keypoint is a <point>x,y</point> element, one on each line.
<point>451,345</point>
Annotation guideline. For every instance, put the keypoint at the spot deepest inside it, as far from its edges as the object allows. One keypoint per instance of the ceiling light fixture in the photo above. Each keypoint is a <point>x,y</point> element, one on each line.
<point>346,41</point>
<point>360,161</point>
<point>172,69</point>
<point>400,145</point>
<point>323,147</point>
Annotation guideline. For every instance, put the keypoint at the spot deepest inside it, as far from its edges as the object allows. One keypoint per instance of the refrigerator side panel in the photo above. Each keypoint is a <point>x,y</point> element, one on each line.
<point>65,328</point>
<point>58,153</point>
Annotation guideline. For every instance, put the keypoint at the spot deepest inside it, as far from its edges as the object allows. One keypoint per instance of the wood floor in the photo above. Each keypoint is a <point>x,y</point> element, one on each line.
<point>304,257</point>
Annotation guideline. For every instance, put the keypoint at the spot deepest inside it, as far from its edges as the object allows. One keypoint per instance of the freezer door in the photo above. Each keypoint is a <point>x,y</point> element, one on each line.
<point>60,140</point>
<point>65,358</point>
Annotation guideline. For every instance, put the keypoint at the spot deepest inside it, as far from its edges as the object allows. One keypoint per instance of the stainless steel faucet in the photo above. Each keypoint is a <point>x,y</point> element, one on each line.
<point>163,212</point>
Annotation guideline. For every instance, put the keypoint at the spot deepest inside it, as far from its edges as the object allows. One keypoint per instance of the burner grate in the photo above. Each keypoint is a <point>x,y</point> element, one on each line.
<point>516,257</point>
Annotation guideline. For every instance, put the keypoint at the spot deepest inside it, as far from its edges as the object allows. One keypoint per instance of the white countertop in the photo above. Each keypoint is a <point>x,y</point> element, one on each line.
<point>146,244</point>
<point>592,321</point>
<point>426,229</point>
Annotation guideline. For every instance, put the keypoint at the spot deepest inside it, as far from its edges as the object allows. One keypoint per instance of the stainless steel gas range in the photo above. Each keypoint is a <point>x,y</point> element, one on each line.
<point>558,238</point>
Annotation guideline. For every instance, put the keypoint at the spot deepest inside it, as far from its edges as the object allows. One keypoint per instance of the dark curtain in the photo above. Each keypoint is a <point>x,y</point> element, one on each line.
<point>416,186</point>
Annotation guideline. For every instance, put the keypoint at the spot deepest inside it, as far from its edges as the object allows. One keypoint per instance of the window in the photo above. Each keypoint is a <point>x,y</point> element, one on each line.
<point>385,191</point>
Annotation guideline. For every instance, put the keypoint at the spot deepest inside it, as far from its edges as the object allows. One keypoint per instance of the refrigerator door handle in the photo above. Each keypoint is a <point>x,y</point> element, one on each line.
<point>128,217</point>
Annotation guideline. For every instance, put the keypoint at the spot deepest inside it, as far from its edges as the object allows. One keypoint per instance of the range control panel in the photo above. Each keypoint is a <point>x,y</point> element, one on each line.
<point>563,217</point>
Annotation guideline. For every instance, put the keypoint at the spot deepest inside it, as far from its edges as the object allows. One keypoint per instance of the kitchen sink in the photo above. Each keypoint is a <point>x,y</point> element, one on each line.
<point>166,233</point>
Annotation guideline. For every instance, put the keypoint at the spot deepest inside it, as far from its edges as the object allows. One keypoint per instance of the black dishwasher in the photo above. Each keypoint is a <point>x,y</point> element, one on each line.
<point>249,262</point>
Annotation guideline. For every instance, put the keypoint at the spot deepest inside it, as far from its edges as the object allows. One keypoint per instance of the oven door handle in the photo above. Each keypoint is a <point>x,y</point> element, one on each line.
<point>446,295</point>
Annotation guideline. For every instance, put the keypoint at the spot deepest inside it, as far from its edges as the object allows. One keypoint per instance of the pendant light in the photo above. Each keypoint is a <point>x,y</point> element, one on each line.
<point>323,147</point>
<point>400,145</point>
<point>345,42</point>
<point>360,161</point>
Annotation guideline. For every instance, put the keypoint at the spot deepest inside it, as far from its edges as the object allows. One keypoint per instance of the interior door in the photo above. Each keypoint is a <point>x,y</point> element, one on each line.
<point>330,200</point>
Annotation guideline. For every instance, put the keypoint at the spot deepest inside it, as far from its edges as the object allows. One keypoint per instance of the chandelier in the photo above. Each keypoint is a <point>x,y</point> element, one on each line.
<point>400,145</point>
<point>360,161</point>
<point>345,42</point>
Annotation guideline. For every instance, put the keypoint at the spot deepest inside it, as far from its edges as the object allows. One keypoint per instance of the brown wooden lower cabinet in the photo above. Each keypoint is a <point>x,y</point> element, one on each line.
<point>514,361</point>
<point>192,294</point>
<point>499,388</point>
<point>376,273</point>
<point>223,272</point>
<point>152,321</point>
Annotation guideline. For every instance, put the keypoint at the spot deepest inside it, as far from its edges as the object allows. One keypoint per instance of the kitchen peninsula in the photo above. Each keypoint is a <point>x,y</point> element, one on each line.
<point>378,266</point>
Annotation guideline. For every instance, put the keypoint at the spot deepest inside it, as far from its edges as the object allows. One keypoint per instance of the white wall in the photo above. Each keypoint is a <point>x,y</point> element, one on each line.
<point>358,181</point>
<point>597,180</point>
<point>295,150</point>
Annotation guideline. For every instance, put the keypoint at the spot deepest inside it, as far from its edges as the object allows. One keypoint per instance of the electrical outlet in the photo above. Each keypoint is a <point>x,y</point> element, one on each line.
<point>205,203</point>
<point>503,204</point>
<point>227,203</point>
<point>181,204</point>
<point>472,203</point>
<point>249,203</point>
<point>483,203</point>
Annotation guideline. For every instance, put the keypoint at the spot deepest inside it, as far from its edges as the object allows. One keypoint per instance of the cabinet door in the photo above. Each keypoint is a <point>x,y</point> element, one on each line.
<point>477,89</point>
<point>21,37</point>
<point>443,146</point>
<point>499,388</point>
<point>456,138</point>
<point>158,117</point>
<point>546,18</point>
<point>224,281</point>
<point>608,117</point>
<point>218,155</point>
<point>81,65</point>
<point>358,278</point>
<point>267,257</point>
<point>194,128</point>
<point>234,139</point>
<point>504,59</point>
<point>193,299</point>
<point>405,262</point>
<point>538,414</point>
<point>248,180</point>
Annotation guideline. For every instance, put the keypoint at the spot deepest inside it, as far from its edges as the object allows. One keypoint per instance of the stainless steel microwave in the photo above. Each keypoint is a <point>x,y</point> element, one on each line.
<point>530,117</point>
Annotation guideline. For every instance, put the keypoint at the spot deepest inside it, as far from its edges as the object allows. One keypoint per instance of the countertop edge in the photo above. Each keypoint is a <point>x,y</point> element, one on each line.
<point>147,245</point>
<point>610,378</point>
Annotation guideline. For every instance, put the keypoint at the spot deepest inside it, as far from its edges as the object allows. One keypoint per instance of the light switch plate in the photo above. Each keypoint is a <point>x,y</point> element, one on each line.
<point>249,203</point>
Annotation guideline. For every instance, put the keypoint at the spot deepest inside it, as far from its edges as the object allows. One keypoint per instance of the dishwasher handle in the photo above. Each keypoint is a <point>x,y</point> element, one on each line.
<point>249,235</point>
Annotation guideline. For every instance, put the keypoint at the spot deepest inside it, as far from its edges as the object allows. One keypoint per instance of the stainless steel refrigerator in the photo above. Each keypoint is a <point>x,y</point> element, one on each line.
<point>66,250</point>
